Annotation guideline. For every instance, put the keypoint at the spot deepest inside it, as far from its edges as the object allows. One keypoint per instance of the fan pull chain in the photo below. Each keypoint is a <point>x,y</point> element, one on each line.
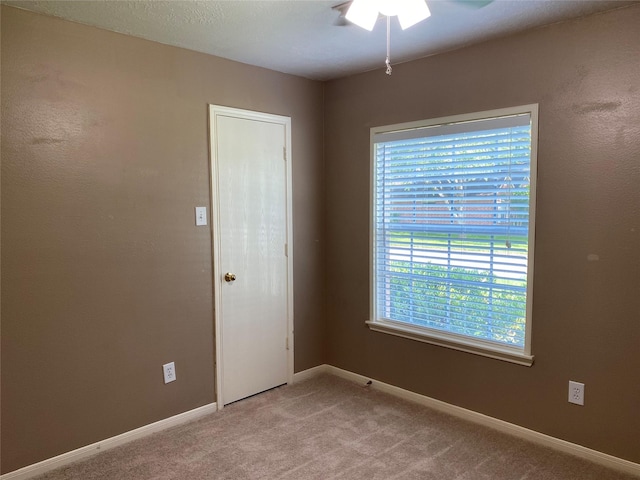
<point>388,61</point>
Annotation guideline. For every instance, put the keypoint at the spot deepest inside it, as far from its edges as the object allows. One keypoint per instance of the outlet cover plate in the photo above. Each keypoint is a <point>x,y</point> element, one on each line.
<point>576,393</point>
<point>169,370</point>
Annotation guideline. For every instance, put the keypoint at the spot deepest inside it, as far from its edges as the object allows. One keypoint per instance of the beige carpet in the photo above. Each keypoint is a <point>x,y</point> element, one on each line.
<point>328,428</point>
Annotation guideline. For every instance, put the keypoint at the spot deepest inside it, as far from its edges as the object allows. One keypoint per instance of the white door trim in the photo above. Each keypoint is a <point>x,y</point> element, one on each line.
<point>214,112</point>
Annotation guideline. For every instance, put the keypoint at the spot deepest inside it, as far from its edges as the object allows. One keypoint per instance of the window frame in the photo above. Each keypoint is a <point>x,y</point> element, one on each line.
<point>521,356</point>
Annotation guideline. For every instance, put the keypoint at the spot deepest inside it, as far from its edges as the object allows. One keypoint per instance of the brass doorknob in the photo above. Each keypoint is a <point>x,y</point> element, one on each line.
<point>229,277</point>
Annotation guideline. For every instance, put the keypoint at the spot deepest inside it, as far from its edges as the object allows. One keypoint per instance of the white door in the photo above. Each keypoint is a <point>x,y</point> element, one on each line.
<point>250,189</point>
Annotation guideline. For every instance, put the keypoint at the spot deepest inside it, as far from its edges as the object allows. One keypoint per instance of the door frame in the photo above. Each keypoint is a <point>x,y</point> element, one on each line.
<point>214,112</point>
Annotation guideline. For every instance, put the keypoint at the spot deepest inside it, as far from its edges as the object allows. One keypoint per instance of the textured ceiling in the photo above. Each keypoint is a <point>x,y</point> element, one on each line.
<point>302,37</point>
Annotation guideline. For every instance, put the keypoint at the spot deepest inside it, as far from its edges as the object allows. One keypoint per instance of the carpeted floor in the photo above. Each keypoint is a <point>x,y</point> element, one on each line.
<point>328,428</point>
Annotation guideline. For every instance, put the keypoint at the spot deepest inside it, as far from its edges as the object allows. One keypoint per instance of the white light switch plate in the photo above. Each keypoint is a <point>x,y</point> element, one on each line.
<point>201,216</point>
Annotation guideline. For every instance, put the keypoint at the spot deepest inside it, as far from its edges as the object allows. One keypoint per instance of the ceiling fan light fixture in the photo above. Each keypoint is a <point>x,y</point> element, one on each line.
<point>412,12</point>
<point>363,13</point>
<point>389,8</point>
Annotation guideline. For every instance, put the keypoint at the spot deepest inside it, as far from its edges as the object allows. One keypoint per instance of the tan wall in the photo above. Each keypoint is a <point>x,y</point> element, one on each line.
<point>104,275</point>
<point>585,75</point>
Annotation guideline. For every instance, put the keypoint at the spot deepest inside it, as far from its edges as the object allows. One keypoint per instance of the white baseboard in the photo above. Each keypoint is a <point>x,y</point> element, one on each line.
<point>311,372</point>
<point>510,428</point>
<point>39,468</point>
<point>475,417</point>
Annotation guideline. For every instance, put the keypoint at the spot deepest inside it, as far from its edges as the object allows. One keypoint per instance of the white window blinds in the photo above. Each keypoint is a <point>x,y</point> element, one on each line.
<point>451,228</point>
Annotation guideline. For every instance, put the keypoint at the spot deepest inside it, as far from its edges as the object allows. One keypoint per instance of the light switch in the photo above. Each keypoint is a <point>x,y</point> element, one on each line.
<point>201,216</point>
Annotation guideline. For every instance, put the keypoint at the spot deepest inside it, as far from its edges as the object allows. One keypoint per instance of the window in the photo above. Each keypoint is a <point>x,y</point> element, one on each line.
<point>452,231</point>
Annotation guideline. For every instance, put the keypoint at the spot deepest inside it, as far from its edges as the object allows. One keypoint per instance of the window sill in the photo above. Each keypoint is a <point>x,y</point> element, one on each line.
<point>453,341</point>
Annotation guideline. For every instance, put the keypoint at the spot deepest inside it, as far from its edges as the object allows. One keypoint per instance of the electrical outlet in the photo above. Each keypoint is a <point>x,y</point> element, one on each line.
<point>576,393</point>
<point>169,372</point>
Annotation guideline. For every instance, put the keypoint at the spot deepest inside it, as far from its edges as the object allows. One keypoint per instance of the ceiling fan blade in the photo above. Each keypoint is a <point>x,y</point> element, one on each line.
<point>473,3</point>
